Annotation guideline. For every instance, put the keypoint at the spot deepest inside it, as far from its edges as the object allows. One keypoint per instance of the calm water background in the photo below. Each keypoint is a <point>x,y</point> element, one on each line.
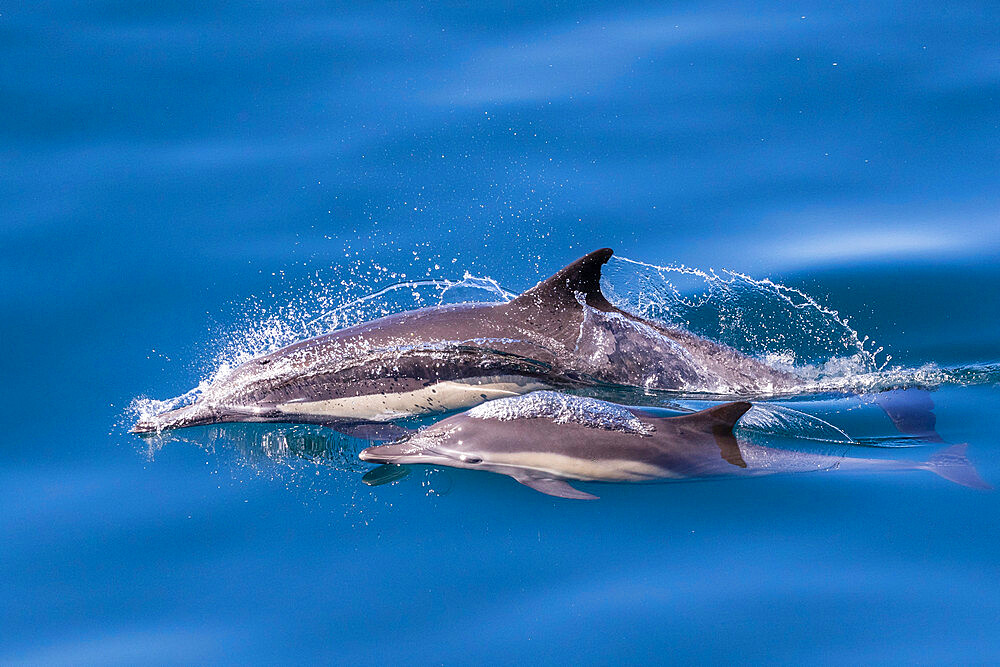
<point>162,166</point>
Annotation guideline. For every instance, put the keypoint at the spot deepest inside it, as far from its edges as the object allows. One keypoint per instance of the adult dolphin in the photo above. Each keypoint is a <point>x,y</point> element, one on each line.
<point>546,439</point>
<point>561,333</point>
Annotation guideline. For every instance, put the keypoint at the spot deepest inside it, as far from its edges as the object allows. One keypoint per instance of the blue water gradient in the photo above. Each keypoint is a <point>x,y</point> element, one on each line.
<point>163,165</point>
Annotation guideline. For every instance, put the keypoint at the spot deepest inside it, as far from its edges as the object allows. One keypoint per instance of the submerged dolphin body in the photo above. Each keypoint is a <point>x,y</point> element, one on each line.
<point>544,439</point>
<point>561,333</point>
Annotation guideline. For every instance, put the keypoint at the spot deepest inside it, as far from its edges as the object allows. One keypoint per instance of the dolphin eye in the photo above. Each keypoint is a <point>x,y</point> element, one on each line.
<point>471,459</point>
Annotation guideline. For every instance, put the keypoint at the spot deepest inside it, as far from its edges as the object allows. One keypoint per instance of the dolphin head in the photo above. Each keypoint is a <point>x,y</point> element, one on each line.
<point>440,444</point>
<point>475,444</point>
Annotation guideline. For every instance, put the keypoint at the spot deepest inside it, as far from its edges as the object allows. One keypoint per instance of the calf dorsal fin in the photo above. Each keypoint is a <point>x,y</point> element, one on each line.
<point>725,415</point>
<point>719,421</point>
<point>560,291</point>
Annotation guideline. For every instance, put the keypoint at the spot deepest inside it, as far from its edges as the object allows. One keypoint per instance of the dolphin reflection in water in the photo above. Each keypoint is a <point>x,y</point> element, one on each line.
<point>546,439</point>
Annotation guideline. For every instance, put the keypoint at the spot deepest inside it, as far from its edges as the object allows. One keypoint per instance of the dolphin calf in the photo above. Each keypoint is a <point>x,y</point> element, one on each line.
<point>545,439</point>
<point>560,334</point>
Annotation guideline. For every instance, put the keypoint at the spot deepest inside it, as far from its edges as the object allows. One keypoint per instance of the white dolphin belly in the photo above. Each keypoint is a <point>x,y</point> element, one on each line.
<point>440,397</point>
<point>573,467</point>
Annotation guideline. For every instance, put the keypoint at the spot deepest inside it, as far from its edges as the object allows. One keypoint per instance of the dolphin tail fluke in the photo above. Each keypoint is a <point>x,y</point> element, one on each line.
<point>195,414</point>
<point>952,464</point>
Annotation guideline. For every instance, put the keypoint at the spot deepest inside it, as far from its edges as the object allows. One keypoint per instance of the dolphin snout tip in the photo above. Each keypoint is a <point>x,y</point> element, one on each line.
<point>368,456</point>
<point>145,427</point>
<point>378,454</point>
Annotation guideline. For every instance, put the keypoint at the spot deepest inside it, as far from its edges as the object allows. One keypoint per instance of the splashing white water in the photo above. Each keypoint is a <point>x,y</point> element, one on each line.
<point>783,327</point>
<point>762,318</point>
<point>143,408</point>
<point>780,420</point>
<point>562,409</point>
<point>261,326</point>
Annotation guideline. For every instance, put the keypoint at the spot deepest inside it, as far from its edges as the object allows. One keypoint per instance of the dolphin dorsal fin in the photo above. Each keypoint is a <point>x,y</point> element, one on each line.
<point>720,418</point>
<point>719,421</point>
<point>727,414</point>
<point>581,277</point>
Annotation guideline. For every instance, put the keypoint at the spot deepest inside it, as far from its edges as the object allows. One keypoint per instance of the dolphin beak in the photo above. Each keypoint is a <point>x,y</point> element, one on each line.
<point>399,453</point>
<point>143,427</point>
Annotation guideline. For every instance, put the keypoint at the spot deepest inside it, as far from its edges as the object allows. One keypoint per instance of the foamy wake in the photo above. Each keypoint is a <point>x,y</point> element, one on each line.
<point>844,376</point>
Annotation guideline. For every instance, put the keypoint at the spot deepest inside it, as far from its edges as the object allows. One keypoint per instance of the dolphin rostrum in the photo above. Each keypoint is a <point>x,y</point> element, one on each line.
<point>545,438</point>
<point>561,333</point>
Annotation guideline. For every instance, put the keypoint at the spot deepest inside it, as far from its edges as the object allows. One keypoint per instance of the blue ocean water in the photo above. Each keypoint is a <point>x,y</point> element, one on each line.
<point>184,184</point>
